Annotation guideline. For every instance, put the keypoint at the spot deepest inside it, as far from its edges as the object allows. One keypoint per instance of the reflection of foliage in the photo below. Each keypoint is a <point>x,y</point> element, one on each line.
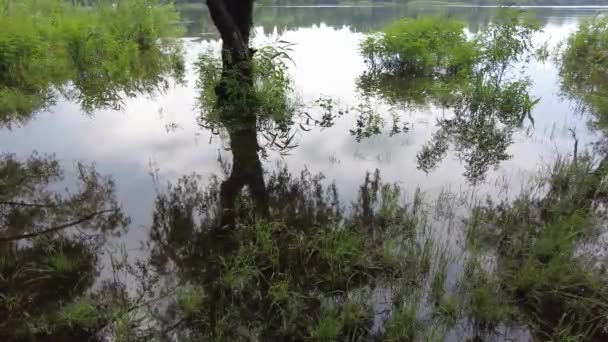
<point>540,268</point>
<point>484,120</point>
<point>303,273</point>
<point>369,122</point>
<point>328,116</point>
<point>410,92</point>
<point>30,209</point>
<point>94,55</point>
<point>584,68</point>
<point>487,104</point>
<point>45,265</point>
<point>425,46</point>
<point>505,42</point>
<point>310,269</point>
<point>35,280</point>
<point>489,107</point>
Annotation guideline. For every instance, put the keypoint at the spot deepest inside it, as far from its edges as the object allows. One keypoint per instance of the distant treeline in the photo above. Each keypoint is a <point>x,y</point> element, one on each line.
<point>476,2</point>
<point>536,2</point>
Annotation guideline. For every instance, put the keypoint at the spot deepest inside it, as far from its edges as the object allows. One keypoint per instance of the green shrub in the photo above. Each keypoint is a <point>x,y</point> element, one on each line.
<point>429,45</point>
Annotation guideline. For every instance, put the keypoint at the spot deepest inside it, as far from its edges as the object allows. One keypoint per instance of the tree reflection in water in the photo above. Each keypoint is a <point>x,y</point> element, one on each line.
<point>486,102</point>
<point>49,248</point>
<point>275,256</point>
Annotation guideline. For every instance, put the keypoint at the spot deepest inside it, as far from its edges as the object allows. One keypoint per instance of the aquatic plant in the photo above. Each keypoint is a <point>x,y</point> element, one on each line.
<point>424,46</point>
<point>540,267</point>
<point>487,101</point>
<point>314,267</point>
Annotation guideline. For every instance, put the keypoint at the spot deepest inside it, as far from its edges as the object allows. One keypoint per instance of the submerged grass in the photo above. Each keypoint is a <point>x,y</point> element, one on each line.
<point>310,270</point>
<point>535,242</point>
<point>315,269</point>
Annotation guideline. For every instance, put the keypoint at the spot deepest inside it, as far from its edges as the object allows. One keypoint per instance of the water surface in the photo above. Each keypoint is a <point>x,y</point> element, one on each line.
<point>160,136</point>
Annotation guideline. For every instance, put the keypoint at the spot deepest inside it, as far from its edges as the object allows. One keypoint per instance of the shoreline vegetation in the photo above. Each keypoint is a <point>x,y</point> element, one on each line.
<point>421,3</point>
<point>254,254</point>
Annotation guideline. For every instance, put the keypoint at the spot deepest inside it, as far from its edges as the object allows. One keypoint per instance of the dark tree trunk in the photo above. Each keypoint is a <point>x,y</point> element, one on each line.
<point>233,19</point>
<point>246,170</point>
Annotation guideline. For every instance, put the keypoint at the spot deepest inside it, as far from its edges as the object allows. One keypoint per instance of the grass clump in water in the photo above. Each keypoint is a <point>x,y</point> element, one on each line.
<point>310,270</point>
<point>82,313</point>
<point>435,46</point>
<point>423,46</point>
<point>541,266</point>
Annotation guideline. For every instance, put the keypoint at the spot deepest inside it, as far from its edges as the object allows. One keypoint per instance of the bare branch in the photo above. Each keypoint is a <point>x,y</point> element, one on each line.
<point>24,204</point>
<point>56,228</point>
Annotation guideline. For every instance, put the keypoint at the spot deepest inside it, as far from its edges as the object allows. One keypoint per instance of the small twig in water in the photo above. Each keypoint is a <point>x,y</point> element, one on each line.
<point>575,156</point>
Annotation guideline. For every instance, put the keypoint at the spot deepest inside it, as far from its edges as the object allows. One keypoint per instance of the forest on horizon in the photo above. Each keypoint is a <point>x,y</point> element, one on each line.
<point>474,2</point>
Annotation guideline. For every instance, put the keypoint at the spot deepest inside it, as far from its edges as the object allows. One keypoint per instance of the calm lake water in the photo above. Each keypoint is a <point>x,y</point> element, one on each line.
<point>161,135</point>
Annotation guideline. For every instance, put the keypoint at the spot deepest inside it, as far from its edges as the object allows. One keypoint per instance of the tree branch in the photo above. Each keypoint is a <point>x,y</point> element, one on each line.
<point>24,204</point>
<point>55,229</point>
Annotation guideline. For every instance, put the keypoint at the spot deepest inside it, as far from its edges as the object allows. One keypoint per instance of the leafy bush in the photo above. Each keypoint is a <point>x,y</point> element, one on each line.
<point>429,45</point>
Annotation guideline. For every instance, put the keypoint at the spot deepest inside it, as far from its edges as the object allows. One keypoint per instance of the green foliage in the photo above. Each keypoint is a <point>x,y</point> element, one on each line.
<point>439,279</point>
<point>487,305</point>
<point>426,61</point>
<point>82,312</point>
<point>540,268</point>
<point>95,56</point>
<point>328,325</point>
<point>447,310</point>
<point>273,88</point>
<point>403,324</point>
<point>583,68</point>
<point>424,46</point>
<point>190,299</point>
<point>306,271</point>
